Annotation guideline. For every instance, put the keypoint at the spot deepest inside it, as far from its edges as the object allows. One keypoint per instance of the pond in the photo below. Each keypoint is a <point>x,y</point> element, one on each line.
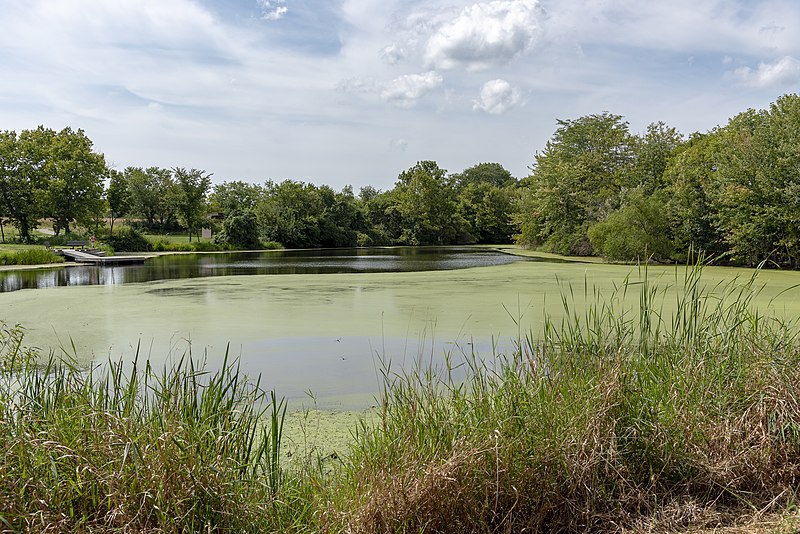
<point>320,261</point>
<point>332,335</point>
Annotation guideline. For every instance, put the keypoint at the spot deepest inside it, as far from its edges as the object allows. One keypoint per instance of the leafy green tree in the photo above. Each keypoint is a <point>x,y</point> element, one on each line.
<point>579,179</point>
<point>228,197</point>
<point>240,230</point>
<point>290,214</point>
<point>489,173</point>
<point>193,185</point>
<point>486,209</point>
<point>341,218</point>
<point>651,154</point>
<point>638,231</point>
<point>757,183</point>
<point>75,176</point>
<point>118,197</point>
<point>426,201</point>
<point>154,195</point>
<point>689,176</point>
<point>23,182</point>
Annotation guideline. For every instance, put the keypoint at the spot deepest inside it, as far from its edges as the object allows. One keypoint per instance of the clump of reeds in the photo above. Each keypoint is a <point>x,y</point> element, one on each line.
<point>33,256</point>
<point>616,417</point>
<point>136,449</point>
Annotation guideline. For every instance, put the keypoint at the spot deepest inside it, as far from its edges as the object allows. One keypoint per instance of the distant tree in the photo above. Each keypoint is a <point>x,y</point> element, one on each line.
<point>290,214</point>
<point>228,197</point>
<point>23,178</point>
<point>651,154</point>
<point>488,173</point>
<point>579,179</point>
<point>486,210</point>
<point>425,198</point>
<point>638,231</point>
<point>756,188</point>
<point>154,195</point>
<point>75,175</point>
<point>240,230</point>
<point>689,178</point>
<point>193,186</point>
<point>118,197</point>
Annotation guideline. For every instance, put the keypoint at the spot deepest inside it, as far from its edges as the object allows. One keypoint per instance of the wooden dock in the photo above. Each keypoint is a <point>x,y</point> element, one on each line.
<point>80,256</point>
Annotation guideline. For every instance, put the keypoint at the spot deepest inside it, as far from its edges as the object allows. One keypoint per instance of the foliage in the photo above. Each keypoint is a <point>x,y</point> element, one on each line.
<point>425,200</point>
<point>75,176</point>
<point>129,240</point>
<point>118,197</point>
<point>578,179</point>
<point>240,230</point>
<point>128,448</point>
<point>486,210</point>
<point>154,196</point>
<point>303,215</point>
<point>228,197</point>
<point>33,256</point>
<point>757,184</point>
<point>639,231</point>
<point>692,211</point>
<point>193,186</point>
<point>484,173</point>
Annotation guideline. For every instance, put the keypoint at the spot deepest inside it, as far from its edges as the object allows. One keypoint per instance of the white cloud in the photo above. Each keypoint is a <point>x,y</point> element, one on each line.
<point>780,73</point>
<point>273,9</point>
<point>406,90</point>
<point>392,54</point>
<point>484,34</point>
<point>497,97</point>
<point>400,144</point>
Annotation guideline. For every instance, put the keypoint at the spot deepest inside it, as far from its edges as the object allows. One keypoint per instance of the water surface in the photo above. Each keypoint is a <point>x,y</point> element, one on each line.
<point>319,261</point>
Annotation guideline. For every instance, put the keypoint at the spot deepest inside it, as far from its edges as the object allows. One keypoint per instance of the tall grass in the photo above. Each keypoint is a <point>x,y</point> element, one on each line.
<point>32,256</point>
<point>618,416</point>
<point>176,450</point>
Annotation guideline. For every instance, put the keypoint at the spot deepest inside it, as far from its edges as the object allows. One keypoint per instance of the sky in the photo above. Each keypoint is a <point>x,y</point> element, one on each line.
<point>352,92</point>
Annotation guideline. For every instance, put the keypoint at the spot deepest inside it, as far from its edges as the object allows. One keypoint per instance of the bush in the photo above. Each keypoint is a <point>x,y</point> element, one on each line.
<point>636,232</point>
<point>240,230</point>
<point>129,240</point>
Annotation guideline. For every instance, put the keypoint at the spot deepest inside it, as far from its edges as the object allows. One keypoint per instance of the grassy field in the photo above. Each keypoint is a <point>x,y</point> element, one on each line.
<point>611,418</point>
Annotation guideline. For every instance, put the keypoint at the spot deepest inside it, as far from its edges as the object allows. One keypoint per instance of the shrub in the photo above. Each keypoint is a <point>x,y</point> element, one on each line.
<point>636,232</point>
<point>129,240</point>
<point>239,230</point>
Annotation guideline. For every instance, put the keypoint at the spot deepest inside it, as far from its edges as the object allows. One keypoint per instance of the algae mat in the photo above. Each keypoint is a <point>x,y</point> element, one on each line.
<point>331,335</point>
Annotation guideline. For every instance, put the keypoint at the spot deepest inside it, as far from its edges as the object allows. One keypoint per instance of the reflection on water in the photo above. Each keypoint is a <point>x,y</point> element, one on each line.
<point>366,260</point>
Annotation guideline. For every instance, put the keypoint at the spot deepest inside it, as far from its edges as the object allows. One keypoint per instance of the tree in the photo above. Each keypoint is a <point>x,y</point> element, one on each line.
<point>118,197</point>
<point>638,231</point>
<point>579,179</point>
<point>154,195</point>
<point>426,200</point>
<point>75,176</point>
<point>193,186</point>
<point>651,154</point>
<point>757,183</point>
<point>486,209</point>
<point>488,173</point>
<point>228,197</point>
<point>240,230</point>
<point>692,212</point>
<point>23,161</point>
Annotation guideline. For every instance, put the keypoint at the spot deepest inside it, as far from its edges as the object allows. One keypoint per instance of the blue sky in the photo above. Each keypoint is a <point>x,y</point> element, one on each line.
<point>355,91</point>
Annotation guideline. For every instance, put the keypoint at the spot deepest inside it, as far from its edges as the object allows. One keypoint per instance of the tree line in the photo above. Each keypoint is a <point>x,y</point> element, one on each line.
<point>595,189</point>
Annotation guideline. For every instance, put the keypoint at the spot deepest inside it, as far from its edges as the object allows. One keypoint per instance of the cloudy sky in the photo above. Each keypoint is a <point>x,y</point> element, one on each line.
<point>355,91</point>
